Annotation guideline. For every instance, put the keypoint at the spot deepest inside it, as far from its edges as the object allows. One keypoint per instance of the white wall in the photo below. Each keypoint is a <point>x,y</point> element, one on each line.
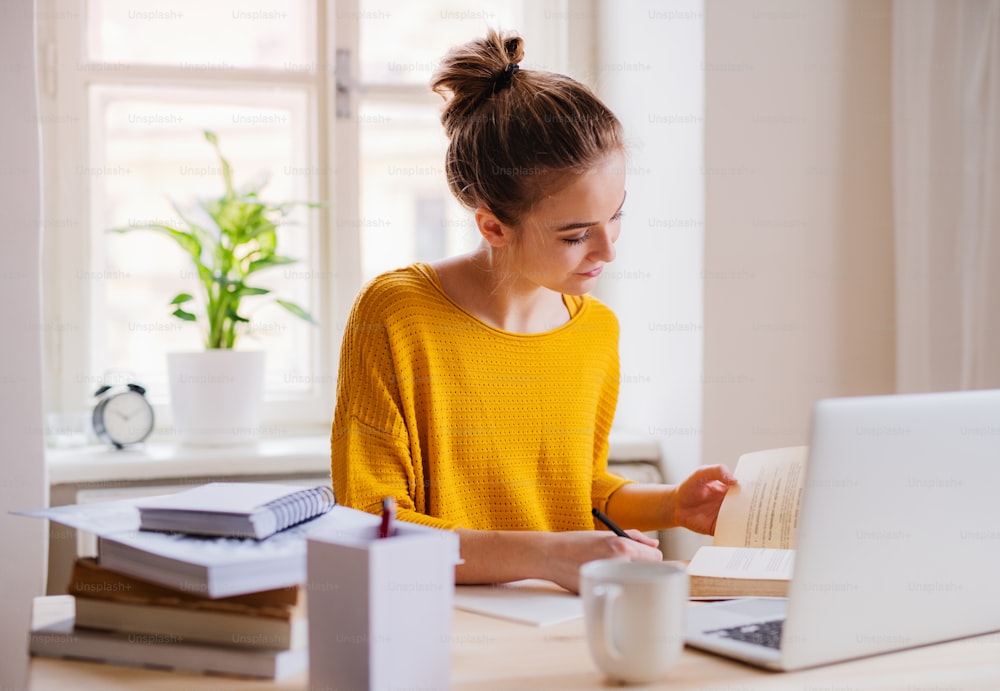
<point>755,271</point>
<point>22,466</point>
<point>798,244</point>
<point>649,72</point>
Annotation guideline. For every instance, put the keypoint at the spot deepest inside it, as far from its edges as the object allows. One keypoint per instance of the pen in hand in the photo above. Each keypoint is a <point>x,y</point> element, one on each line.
<point>385,528</point>
<point>599,515</point>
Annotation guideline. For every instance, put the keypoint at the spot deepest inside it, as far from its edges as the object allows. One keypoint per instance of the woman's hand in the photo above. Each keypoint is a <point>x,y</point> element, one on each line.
<point>693,504</point>
<point>571,550</point>
<point>698,498</point>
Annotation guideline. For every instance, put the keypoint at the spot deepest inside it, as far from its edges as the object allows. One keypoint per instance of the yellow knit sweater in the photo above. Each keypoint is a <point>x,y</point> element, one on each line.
<point>467,425</point>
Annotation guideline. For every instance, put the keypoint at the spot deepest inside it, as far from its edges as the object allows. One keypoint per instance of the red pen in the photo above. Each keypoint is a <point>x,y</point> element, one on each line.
<point>386,528</point>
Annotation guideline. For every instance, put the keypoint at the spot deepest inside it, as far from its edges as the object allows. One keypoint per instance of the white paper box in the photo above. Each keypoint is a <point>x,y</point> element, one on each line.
<point>380,610</point>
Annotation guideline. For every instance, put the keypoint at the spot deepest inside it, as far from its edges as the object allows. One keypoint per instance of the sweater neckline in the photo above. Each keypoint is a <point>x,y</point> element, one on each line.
<point>577,311</point>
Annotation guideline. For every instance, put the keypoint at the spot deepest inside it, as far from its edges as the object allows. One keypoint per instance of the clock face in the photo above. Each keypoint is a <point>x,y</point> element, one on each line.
<point>127,417</point>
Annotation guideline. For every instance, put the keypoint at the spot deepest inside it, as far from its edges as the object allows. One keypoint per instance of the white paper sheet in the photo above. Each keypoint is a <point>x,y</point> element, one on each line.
<point>534,602</point>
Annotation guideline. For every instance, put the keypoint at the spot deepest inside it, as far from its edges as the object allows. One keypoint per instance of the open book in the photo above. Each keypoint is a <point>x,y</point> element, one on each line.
<point>753,551</point>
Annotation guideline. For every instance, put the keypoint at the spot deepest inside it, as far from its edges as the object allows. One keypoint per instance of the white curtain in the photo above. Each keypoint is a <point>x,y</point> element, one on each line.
<point>946,167</point>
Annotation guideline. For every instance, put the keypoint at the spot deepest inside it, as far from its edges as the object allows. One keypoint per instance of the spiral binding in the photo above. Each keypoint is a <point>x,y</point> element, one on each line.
<point>300,506</point>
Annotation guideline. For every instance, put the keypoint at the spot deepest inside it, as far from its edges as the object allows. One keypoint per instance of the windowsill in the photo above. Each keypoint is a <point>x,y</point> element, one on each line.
<point>100,463</point>
<point>290,455</point>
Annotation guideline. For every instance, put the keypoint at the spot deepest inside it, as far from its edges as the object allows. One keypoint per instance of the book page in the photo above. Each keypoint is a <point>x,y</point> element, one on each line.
<point>743,563</point>
<point>763,511</point>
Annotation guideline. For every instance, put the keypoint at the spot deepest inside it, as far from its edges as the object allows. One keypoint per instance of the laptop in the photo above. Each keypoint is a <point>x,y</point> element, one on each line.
<point>898,541</point>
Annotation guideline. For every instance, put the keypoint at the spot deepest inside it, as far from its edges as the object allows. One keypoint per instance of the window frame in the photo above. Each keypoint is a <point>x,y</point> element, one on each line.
<point>69,245</point>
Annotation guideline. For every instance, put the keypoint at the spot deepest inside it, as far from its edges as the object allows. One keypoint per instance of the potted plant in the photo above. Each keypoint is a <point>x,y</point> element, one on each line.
<point>216,394</point>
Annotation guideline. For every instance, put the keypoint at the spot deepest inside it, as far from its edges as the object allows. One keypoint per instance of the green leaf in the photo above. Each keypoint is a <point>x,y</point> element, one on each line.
<point>181,298</point>
<point>297,311</point>
<point>187,241</point>
<point>231,314</point>
<point>267,262</point>
<point>250,290</point>
<point>267,241</point>
<point>227,170</point>
<point>186,316</point>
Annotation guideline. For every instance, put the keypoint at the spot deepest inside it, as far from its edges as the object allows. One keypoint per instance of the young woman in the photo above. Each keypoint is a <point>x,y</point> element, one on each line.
<point>479,390</point>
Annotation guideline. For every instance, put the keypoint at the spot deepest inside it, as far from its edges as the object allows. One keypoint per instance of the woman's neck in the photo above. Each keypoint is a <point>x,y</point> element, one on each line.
<point>480,284</point>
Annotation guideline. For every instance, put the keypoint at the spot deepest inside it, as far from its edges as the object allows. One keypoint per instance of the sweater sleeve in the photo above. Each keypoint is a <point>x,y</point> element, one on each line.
<point>370,448</point>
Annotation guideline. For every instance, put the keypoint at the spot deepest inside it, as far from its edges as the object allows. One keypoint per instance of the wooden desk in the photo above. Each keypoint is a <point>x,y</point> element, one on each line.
<point>490,654</point>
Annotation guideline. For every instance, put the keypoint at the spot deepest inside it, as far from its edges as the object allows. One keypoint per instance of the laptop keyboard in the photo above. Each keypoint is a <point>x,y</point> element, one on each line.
<point>766,633</point>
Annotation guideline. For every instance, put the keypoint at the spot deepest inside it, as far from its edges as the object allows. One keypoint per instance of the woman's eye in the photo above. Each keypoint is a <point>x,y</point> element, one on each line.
<point>577,240</point>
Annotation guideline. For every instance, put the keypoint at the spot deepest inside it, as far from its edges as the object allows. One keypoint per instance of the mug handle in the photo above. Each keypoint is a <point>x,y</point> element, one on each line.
<point>605,595</point>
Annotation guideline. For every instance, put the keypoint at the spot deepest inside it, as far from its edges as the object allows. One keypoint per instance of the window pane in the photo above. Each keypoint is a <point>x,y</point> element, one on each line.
<point>200,34</point>
<point>407,212</point>
<point>402,40</point>
<point>148,150</point>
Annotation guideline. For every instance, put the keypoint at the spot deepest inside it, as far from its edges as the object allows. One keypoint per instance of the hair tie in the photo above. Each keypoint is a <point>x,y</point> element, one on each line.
<point>504,80</point>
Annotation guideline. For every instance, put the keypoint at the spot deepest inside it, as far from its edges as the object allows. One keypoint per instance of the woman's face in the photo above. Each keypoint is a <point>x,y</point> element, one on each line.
<point>567,238</point>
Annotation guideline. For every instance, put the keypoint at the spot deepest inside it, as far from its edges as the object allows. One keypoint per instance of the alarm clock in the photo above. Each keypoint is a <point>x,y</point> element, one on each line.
<point>122,415</point>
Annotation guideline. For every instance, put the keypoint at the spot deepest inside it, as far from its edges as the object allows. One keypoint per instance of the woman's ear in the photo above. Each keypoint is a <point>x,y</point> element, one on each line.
<point>491,228</point>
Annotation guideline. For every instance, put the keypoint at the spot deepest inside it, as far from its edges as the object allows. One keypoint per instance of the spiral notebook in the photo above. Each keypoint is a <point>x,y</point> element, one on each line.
<point>234,509</point>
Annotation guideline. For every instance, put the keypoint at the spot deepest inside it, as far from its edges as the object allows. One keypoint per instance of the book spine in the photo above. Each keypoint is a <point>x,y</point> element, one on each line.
<point>300,506</point>
<point>91,580</point>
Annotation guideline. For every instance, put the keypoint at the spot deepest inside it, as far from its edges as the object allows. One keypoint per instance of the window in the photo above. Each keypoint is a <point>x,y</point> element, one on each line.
<point>328,99</point>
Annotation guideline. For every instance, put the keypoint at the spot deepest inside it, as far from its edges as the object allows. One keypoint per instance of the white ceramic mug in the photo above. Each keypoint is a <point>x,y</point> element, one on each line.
<point>634,613</point>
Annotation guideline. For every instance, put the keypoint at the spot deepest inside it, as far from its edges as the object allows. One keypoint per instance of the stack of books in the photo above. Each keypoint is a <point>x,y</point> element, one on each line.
<point>128,621</point>
<point>220,593</point>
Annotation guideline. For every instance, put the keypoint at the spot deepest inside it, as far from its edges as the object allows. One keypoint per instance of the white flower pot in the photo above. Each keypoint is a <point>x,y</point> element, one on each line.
<point>216,396</point>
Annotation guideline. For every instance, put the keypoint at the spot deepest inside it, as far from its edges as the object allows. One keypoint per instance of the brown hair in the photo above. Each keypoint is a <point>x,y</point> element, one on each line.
<point>515,135</point>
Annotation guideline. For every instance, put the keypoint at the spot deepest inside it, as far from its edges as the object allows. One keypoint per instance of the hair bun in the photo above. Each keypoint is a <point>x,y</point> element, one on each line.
<point>469,73</point>
<point>514,47</point>
<point>515,135</point>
